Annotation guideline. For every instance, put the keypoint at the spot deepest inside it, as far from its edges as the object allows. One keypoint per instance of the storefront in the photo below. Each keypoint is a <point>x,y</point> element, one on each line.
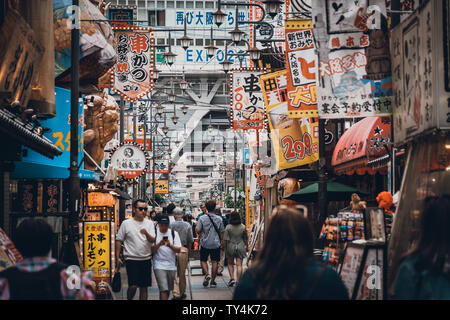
<point>38,186</point>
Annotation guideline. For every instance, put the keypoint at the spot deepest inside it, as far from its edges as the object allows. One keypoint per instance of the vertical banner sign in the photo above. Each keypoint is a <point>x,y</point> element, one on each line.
<point>247,105</point>
<point>354,68</point>
<point>97,249</point>
<point>295,141</point>
<point>302,68</point>
<point>132,75</point>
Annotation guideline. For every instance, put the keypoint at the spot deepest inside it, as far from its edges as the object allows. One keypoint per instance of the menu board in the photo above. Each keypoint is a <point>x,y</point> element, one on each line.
<point>372,278</point>
<point>351,267</point>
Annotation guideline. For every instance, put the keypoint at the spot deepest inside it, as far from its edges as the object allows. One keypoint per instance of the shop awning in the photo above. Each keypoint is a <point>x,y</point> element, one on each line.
<point>335,192</point>
<point>12,127</point>
<point>365,141</point>
<point>26,170</point>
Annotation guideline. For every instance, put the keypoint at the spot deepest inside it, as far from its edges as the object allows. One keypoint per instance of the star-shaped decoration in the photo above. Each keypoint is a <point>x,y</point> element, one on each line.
<point>377,131</point>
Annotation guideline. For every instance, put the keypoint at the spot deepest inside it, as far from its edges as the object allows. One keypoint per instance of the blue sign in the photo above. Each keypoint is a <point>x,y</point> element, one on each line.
<point>35,165</point>
<point>246,153</point>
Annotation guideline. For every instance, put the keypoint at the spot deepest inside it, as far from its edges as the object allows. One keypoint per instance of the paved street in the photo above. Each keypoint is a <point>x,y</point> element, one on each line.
<point>221,292</point>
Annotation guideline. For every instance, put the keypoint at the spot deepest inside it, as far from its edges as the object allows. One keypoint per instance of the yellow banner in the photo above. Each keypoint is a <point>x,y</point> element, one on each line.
<point>248,211</point>
<point>97,248</point>
<point>295,141</point>
<point>162,186</point>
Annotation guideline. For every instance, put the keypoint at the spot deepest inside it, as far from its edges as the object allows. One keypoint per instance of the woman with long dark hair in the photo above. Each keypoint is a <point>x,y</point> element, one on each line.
<point>285,269</point>
<point>425,272</point>
<point>235,237</point>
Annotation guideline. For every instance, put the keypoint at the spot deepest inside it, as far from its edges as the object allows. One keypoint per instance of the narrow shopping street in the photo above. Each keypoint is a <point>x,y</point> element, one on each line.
<point>304,142</point>
<point>199,292</point>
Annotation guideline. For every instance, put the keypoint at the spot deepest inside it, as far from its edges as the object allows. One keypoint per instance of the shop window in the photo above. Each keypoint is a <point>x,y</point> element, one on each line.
<point>199,4</point>
<point>161,5</point>
<point>157,18</point>
<point>189,4</point>
<point>151,5</point>
<point>180,4</point>
<point>170,4</point>
<point>209,5</point>
<point>199,42</point>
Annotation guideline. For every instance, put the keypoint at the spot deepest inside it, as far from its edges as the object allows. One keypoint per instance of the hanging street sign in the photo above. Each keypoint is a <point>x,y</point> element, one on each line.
<point>130,160</point>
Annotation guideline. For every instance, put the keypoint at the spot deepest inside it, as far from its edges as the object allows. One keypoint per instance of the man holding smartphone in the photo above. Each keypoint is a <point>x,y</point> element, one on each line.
<point>167,244</point>
<point>137,235</point>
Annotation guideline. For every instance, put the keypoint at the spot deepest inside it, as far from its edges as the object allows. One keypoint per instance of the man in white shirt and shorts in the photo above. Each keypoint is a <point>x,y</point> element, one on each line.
<point>137,235</point>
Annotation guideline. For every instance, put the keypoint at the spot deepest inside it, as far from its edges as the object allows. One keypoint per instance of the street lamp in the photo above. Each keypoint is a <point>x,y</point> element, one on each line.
<point>272,7</point>
<point>175,117</point>
<point>185,40</point>
<point>184,85</point>
<point>219,16</point>
<point>254,53</point>
<point>165,128</point>
<point>226,64</point>
<point>169,57</point>
<point>237,34</point>
<point>184,109</point>
<point>211,49</point>
<point>159,109</point>
<point>171,96</point>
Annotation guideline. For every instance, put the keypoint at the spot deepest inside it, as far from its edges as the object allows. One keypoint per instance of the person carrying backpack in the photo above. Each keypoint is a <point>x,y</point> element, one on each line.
<point>210,228</point>
<point>167,244</point>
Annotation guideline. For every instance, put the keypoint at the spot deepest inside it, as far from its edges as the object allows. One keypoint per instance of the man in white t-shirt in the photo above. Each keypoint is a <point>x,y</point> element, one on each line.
<point>167,244</point>
<point>137,235</point>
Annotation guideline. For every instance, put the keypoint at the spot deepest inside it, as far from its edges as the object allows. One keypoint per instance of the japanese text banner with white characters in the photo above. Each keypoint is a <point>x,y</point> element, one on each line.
<point>295,141</point>
<point>302,68</point>
<point>247,105</point>
<point>354,68</point>
<point>132,76</point>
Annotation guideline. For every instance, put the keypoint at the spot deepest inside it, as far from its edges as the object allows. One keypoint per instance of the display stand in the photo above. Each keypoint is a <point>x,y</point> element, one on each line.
<point>363,270</point>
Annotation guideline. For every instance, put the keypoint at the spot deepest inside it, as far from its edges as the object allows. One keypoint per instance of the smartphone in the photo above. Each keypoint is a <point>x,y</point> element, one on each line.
<point>165,238</point>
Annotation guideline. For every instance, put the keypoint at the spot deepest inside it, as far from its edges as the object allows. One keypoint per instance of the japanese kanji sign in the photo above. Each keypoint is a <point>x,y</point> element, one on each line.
<point>162,186</point>
<point>295,141</point>
<point>161,166</point>
<point>354,66</point>
<point>247,105</point>
<point>97,249</point>
<point>132,76</point>
<point>302,68</point>
<point>130,160</point>
<point>419,72</point>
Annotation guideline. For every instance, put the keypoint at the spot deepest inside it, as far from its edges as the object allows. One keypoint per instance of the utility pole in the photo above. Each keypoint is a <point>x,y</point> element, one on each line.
<point>121,138</point>
<point>153,157</point>
<point>323,196</point>
<point>74,180</point>
<point>235,173</point>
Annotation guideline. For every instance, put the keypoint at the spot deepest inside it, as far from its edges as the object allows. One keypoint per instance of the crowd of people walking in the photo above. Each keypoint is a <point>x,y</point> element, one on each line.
<point>283,269</point>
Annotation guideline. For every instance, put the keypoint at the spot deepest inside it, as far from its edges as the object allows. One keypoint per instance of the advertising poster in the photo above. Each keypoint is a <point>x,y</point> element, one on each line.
<point>132,76</point>
<point>247,105</point>
<point>371,284</point>
<point>162,186</point>
<point>97,251</point>
<point>354,64</point>
<point>302,68</point>
<point>295,141</point>
<point>351,267</point>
